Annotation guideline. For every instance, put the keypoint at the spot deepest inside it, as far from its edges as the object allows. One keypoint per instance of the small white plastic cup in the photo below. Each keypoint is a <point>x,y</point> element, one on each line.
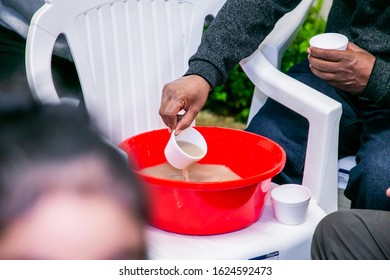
<point>329,41</point>
<point>290,203</point>
<point>180,157</point>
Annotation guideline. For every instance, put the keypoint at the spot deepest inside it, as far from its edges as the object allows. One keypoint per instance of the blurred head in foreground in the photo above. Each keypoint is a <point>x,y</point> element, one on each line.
<point>65,193</point>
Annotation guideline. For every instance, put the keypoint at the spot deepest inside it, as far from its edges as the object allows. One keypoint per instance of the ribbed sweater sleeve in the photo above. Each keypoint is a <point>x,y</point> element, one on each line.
<point>378,87</point>
<point>235,33</point>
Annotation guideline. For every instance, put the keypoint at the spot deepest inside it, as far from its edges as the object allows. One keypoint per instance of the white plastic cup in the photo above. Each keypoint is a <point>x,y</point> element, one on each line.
<point>180,156</point>
<point>329,41</point>
<point>290,203</point>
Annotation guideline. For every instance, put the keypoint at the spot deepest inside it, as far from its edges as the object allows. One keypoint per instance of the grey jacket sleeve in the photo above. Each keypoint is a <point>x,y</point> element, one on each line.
<point>378,87</point>
<point>235,33</point>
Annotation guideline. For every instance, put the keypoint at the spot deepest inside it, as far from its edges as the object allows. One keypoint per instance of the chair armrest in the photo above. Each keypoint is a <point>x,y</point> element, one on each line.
<point>323,114</point>
<point>39,49</point>
<point>276,43</point>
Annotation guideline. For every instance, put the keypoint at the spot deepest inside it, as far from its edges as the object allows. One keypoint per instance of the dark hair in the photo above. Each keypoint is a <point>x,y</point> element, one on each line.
<point>33,134</point>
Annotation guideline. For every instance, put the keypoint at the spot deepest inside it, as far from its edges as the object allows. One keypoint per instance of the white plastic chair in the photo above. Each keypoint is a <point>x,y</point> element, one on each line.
<point>122,78</point>
<point>124,51</point>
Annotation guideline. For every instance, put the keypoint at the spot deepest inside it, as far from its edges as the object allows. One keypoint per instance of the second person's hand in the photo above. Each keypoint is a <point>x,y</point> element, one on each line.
<point>188,93</point>
<point>347,70</point>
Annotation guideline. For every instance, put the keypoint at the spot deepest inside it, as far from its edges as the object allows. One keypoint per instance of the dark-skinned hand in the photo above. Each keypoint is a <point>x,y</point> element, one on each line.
<point>187,94</point>
<point>348,70</point>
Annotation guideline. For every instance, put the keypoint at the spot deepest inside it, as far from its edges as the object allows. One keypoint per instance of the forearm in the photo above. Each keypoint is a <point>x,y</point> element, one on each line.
<point>378,87</point>
<point>236,32</point>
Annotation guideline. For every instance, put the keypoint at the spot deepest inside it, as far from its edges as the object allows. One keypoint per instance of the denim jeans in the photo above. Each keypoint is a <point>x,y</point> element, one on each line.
<point>364,131</point>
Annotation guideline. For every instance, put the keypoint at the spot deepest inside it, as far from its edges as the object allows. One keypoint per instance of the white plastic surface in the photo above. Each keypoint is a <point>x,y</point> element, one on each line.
<point>124,51</point>
<point>265,239</point>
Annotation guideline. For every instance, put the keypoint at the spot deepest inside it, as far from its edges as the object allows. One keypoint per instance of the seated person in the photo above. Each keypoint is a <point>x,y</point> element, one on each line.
<point>65,193</point>
<point>354,234</point>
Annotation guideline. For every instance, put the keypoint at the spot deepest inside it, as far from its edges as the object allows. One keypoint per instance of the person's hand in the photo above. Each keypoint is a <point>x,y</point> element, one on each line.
<point>347,70</point>
<point>388,192</point>
<point>188,93</point>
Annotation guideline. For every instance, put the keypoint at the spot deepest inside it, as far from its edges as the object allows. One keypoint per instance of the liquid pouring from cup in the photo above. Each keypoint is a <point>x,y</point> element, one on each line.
<point>185,149</point>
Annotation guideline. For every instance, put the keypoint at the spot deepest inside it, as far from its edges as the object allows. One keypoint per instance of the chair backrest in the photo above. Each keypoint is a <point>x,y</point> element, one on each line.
<point>124,51</point>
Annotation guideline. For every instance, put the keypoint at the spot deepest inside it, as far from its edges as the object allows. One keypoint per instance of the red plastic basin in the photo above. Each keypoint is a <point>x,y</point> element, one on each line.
<point>206,208</point>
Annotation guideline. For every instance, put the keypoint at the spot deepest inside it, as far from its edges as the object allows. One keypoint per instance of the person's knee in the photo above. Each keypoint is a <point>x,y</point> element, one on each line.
<point>328,232</point>
<point>331,222</point>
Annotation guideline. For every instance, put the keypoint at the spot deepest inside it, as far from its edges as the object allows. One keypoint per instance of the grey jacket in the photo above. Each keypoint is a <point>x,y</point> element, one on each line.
<point>241,25</point>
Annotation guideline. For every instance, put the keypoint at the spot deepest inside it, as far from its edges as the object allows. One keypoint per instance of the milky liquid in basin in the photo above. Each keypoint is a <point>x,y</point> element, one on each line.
<point>196,172</point>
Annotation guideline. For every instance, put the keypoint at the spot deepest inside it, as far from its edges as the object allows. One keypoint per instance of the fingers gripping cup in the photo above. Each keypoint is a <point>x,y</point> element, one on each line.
<point>329,41</point>
<point>186,148</point>
<point>290,203</point>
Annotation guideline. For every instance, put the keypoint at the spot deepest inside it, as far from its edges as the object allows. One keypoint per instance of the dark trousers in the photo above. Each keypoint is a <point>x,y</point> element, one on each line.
<point>354,234</point>
<point>364,131</point>
<point>13,78</point>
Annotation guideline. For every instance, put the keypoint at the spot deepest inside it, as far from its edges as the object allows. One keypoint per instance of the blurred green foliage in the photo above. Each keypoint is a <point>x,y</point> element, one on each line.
<point>234,97</point>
